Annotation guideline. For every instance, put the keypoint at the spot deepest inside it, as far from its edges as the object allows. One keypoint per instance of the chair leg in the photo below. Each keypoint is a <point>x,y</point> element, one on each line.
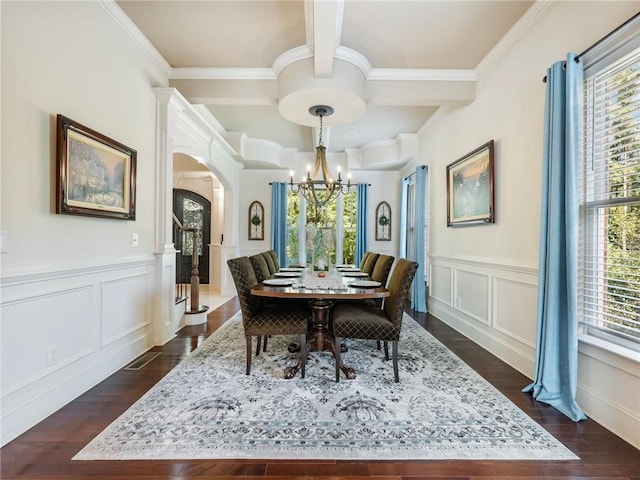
<point>258,345</point>
<point>336,348</point>
<point>378,344</point>
<point>303,353</point>
<point>386,350</point>
<point>264,345</point>
<point>394,348</point>
<point>248,338</point>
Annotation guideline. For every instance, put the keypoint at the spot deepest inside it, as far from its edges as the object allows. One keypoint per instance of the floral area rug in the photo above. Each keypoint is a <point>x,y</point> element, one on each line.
<point>207,408</point>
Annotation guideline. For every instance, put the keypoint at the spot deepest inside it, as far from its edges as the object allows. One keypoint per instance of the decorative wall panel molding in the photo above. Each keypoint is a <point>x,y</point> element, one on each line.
<point>492,305</point>
<point>515,319</point>
<point>441,283</point>
<point>123,312</point>
<point>52,325</point>
<point>472,293</point>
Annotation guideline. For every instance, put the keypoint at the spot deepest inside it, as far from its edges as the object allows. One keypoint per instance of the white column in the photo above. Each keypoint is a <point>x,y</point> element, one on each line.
<point>164,326</point>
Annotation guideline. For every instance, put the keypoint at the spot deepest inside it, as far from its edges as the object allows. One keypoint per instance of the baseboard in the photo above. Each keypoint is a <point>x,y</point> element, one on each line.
<point>34,407</point>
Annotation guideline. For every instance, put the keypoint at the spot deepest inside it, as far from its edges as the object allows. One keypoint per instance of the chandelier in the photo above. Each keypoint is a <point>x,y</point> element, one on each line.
<point>316,190</point>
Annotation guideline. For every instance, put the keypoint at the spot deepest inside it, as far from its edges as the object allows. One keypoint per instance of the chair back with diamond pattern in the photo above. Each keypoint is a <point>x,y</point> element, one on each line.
<point>270,263</point>
<point>382,269</point>
<point>369,263</point>
<point>274,257</point>
<point>260,320</point>
<point>380,274</point>
<point>399,288</point>
<point>245,278</point>
<point>260,267</point>
<point>368,322</point>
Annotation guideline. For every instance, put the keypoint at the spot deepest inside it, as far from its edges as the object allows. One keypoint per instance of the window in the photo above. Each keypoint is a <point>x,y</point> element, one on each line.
<point>609,289</point>
<point>411,225</point>
<point>306,223</point>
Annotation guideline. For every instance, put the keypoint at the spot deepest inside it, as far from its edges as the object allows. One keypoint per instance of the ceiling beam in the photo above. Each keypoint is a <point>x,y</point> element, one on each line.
<point>384,91</point>
<point>324,28</point>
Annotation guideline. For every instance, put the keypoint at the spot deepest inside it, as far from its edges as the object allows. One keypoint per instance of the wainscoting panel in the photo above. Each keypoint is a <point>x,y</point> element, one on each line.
<point>65,330</point>
<point>608,382</point>
<point>493,304</point>
<point>472,294</point>
<point>515,319</point>
<point>441,283</point>
<point>124,307</point>
<point>40,327</point>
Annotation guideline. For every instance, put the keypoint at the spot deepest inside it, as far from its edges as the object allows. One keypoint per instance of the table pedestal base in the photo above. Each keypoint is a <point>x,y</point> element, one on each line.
<point>319,338</point>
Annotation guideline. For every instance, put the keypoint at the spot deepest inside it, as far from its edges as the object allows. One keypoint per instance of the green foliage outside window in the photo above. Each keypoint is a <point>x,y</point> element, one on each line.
<point>193,216</point>
<point>623,222</point>
<point>321,217</point>
<point>614,260</point>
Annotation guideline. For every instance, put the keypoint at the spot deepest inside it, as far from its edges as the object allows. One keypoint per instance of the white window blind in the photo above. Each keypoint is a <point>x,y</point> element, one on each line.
<point>610,205</point>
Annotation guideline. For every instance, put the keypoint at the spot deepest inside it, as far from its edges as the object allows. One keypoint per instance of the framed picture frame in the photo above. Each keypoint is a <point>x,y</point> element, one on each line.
<point>256,221</point>
<point>470,188</point>
<point>383,222</point>
<point>96,175</point>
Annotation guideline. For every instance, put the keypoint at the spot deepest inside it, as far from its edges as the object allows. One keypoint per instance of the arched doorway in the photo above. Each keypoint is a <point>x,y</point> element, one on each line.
<point>192,210</point>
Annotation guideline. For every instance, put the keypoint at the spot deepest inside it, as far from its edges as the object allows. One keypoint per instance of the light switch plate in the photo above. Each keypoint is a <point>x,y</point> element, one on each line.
<point>134,239</point>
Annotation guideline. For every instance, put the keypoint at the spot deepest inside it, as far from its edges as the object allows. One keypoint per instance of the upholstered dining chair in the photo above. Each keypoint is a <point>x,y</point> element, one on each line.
<point>364,259</point>
<point>260,267</point>
<point>361,321</point>
<point>380,274</point>
<point>368,263</point>
<point>274,257</point>
<point>273,268</point>
<point>263,320</point>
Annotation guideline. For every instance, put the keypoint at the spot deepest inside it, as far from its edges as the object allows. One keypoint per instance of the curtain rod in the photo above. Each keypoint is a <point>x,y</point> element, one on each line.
<point>422,167</point>
<point>596,44</point>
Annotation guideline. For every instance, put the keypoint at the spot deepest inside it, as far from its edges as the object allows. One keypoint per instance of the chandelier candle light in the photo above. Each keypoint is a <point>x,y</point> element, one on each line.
<point>320,192</point>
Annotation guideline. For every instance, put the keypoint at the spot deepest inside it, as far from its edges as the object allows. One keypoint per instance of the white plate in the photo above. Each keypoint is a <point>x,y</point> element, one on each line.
<point>278,282</point>
<point>349,269</point>
<point>288,274</point>
<point>354,274</point>
<point>365,284</point>
<point>298,266</point>
<point>344,265</point>
<point>292,269</point>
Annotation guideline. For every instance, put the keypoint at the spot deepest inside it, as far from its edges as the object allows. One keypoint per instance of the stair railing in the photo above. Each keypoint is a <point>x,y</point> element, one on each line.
<point>195,273</point>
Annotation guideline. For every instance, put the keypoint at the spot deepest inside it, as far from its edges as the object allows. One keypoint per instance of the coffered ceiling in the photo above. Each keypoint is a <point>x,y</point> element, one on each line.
<point>385,66</point>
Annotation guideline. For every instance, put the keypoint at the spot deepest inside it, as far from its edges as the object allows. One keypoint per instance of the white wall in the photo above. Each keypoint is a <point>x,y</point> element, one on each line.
<point>76,296</point>
<point>484,278</point>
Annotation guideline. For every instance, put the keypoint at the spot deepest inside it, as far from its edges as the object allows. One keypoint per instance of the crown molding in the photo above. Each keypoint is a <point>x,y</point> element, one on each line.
<point>512,36</point>
<point>290,56</point>
<point>134,33</point>
<point>354,57</point>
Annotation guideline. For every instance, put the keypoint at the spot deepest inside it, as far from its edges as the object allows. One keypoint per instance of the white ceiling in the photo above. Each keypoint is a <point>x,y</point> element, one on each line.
<point>396,61</point>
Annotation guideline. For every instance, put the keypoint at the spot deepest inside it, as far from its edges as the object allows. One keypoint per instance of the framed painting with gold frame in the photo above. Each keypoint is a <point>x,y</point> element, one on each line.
<point>470,195</point>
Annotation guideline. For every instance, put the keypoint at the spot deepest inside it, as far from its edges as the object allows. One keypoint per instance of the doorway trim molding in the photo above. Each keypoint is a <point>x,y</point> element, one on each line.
<point>180,128</point>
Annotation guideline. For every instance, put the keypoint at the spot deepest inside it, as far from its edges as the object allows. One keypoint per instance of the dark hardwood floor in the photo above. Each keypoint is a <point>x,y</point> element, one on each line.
<point>45,451</point>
